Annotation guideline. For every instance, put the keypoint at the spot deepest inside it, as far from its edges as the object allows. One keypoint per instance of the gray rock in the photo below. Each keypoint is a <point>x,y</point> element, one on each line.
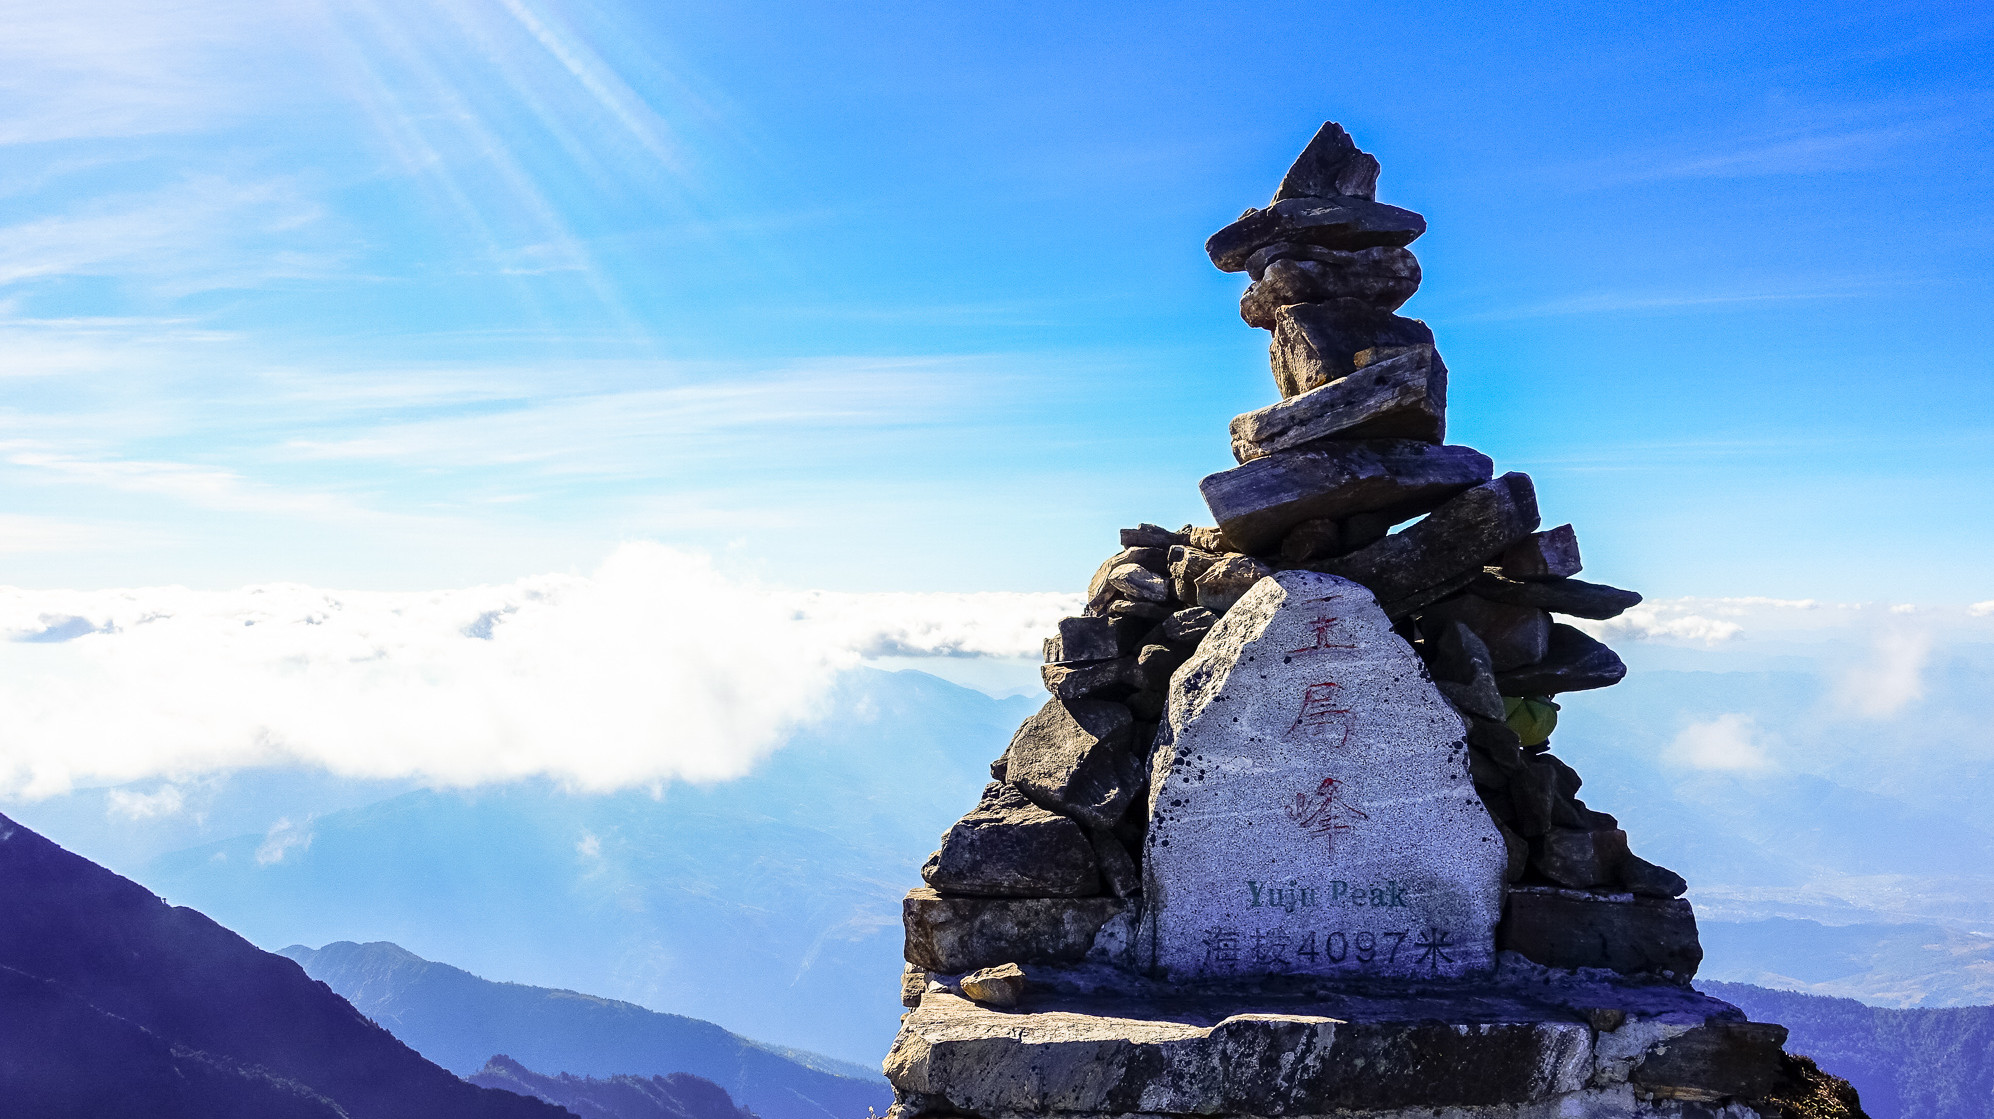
<point>1450,543</point>
<point>1514,635</point>
<point>1070,1057</point>
<point>1316,539</point>
<point>1009,847</point>
<point>957,934</point>
<point>1580,859</point>
<point>1139,584</point>
<point>1072,757</point>
<point>1003,985</point>
<point>1331,164</point>
<point>1147,535</point>
<point>1312,796</point>
<point>1147,706</point>
<point>1087,678</point>
<point>1099,593</point>
<point>1224,582</point>
<point>1207,538</point>
<point>1189,625</point>
<point>1155,664</point>
<point>1365,529</point>
<point>1401,397</point>
<point>1259,501</point>
<point>1716,1061</point>
<point>1575,597</point>
<point>1186,564</point>
<point>1333,223</point>
<point>1119,876</point>
<point>1573,663</point>
<point>1648,880</point>
<point>1460,666</point>
<point>913,983</point>
<point>1551,554</point>
<point>1316,343</point>
<point>1573,929</point>
<point>1380,279</point>
<point>1086,638</point>
<point>1139,612</point>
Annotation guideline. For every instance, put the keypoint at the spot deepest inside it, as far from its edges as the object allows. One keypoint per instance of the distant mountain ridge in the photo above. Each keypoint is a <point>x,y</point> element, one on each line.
<point>119,1004</point>
<point>1919,1063</point>
<point>678,1096</point>
<point>460,1020</point>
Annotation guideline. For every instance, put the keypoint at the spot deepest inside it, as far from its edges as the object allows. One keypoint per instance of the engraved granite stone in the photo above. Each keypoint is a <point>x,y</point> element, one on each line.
<point>1311,806</point>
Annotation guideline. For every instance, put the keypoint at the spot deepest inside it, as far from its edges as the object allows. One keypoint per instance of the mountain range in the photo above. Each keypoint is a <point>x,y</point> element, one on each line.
<point>1928,1063</point>
<point>119,1004</point>
<point>459,1021</point>
<point>677,1096</point>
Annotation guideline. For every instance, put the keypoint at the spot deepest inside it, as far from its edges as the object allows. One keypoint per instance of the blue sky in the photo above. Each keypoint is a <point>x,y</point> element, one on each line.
<point>912,297</point>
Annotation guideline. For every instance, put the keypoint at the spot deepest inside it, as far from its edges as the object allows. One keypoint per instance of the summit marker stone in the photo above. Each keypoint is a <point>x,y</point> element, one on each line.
<point>1311,811</point>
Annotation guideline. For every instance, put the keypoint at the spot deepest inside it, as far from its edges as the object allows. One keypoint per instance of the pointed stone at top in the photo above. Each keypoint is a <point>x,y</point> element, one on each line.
<point>1331,165</point>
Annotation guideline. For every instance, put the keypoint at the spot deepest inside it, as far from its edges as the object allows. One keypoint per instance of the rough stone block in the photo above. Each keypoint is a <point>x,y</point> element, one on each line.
<point>1286,274</point>
<point>1314,798</point>
<point>1259,501</point>
<point>1648,880</point>
<point>1560,596</point>
<point>1009,847</point>
<point>1186,564</point>
<point>957,934</point>
<point>1003,985</point>
<point>1317,343</point>
<point>1072,757</point>
<point>1139,584</point>
<point>1147,535</point>
<point>1580,859</point>
<point>1400,397</point>
<point>1573,662</point>
<point>1189,625</point>
<point>1119,876</point>
<point>1338,222</point>
<point>1085,638</point>
<point>1209,538</point>
<point>1317,539</point>
<point>1551,554</point>
<point>1454,539</point>
<point>1331,165</point>
<point>1715,1061</point>
<point>1099,593</point>
<point>1103,679</point>
<point>1225,581</point>
<point>1515,636</point>
<point>1065,1058</point>
<point>1632,935</point>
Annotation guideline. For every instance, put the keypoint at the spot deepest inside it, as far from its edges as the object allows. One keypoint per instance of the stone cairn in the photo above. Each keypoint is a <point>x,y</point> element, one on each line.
<point>1288,839</point>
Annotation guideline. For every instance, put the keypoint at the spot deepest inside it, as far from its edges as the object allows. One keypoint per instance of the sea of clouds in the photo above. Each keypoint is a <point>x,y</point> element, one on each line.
<point>659,666</point>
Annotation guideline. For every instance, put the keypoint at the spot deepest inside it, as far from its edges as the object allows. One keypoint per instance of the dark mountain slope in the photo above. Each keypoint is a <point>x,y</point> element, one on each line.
<point>114,1068</point>
<point>1919,1063</point>
<point>678,1096</point>
<point>127,972</point>
<point>458,1020</point>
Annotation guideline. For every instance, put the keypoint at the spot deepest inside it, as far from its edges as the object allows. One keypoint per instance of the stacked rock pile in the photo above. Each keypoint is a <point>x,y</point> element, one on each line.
<point>1288,838</point>
<point>1354,448</point>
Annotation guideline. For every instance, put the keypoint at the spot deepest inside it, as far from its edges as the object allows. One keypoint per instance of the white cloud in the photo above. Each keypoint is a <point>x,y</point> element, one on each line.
<point>1891,677</point>
<point>589,846</point>
<point>1728,742</point>
<point>1981,609</point>
<point>167,800</point>
<point>658,667</point>
<point>283,838</point>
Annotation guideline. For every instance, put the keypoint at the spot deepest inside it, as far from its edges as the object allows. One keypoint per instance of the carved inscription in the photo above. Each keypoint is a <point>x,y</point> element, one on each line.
<point>1311,814</point>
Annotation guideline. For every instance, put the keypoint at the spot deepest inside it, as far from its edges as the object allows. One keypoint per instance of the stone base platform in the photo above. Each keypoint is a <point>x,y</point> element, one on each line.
<point>1531,1043</point>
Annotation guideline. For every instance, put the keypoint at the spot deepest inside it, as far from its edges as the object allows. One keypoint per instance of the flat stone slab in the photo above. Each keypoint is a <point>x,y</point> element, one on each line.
<point>1294,1054</point>
<point>1311,810</point>
<point>1258,502</point>
<point>1402,397</point>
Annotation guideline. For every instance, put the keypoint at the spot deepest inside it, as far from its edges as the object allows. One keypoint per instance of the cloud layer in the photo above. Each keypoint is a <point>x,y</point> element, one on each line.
<point>657,667</point>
